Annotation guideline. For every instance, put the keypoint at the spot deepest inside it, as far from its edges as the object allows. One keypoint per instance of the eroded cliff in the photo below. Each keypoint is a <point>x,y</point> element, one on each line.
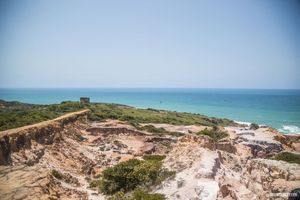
<point>58,159</point>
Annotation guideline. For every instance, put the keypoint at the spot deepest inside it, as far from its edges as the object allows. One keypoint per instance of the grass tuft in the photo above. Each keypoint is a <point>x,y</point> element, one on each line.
<point>288,157</point>
<point>56,174</point>
<point>214,133</point>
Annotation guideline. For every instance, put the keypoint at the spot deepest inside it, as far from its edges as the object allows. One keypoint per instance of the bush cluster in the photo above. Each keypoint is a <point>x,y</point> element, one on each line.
<point>152,129</point>
<point>288,157</point>
<point>133,174</point>
<point>56,174</point>
<point>15,114</point>
<point>136,116</point>
<point>126,176</point>
<point>154,157</point>
<point>214,133</point>
<point>254,126</point>
<point>137,194</point>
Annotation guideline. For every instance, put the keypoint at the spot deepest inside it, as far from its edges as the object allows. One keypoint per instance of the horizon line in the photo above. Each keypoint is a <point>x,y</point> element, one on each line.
<point>204,88</point>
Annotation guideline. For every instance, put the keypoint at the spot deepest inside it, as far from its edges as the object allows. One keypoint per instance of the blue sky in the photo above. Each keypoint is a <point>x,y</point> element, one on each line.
<point>159,43</point>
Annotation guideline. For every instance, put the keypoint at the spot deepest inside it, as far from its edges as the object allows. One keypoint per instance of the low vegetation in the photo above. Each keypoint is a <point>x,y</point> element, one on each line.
<point>151,129</point>
<point>215,133</point>
<point>15,114</point>
<point>132,175</point>
<point>254,126</point>
<point>136,116</point>
<point>56,174</point>
<point>159,131</point>
<point>137,194</point>
<point>126,176</point>
<point>94,183</point>
<point>154,157</point>
<point>288,157</point>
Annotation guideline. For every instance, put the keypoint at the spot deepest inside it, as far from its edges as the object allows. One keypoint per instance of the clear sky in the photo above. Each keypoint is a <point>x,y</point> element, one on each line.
<point>157,43</point>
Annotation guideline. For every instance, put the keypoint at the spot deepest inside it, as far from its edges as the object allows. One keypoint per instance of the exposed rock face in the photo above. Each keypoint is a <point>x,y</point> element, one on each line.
<point>244,176</point>
<point>259,143</point>
<point>236,167</point>
<point>196,165</point>
<point>17,139</point>
<point>27,149</point>
<point>263,176</point>
<point>24,182</point>
<point>74,148</point>
<point>290,141</point>
<point>202,141</point>
<point>105,131</point>
<point>229,168</point>
<point>226,145</point>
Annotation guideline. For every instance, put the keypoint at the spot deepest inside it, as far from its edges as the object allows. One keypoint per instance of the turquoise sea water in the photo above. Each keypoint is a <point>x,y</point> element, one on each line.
<point>277,108</point>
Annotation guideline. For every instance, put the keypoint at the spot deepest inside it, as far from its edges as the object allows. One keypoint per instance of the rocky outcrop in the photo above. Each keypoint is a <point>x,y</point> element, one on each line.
<point>196,165</point>
<point>105,131</point>
<point>239,168</point>
<point>263,149</point>
<point>236,167</point>
<point>44,133</point>
<point>252,143</point>
<point>202,140</point>
<point>290,141</point>
<point>267,177</point>
<point>226,145</point>
<point>33,183</point>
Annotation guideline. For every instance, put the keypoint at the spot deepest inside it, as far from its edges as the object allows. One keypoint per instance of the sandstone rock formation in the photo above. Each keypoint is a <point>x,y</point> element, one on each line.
<point>57,158</point>
<point>75,148</point>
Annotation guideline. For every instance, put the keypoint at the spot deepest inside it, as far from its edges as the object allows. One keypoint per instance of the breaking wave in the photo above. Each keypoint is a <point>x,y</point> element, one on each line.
<point>243,123</point>
<point>290,129</point>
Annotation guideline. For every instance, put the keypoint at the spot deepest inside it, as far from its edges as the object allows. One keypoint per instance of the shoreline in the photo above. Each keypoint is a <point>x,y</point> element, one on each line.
<point>285,129</point>
<point>292,132</point>
<point>69,154</point>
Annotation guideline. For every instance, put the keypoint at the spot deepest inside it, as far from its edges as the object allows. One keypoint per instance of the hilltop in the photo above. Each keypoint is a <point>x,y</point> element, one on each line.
<point>109,151</point>
<point>16,114</point>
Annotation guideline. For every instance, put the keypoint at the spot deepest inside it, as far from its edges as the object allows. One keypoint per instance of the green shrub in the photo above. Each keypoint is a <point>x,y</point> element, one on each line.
<point>254,126</point>
<point>118,196</point>
<point>164,174</point>
<point>133,115</point>
<point>139,194</point>
<point>15,114</point>
<point>56,174</point>
<point>214,133</point>
<point>147,171</point>
<point>176,134</point>
<point>152,129</point>
<point>119,177</point>
<point>288,157</point>
<point>94,183</point>
<point>126,176</point>
<point>154,157</point>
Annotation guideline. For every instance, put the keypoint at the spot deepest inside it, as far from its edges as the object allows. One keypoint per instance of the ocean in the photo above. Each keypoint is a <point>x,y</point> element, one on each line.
<point>277,108</point>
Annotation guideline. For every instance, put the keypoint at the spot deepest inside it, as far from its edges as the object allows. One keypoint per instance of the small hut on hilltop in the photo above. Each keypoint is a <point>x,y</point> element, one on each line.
<point>84,100</point>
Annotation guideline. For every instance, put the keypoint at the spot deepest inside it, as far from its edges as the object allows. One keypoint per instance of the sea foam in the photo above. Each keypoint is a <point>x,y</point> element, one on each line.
<point>290,129</point>
<point>243,123</point>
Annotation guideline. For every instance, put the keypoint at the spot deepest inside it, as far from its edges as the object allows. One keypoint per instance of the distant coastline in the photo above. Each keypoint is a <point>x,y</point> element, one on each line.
<point>277,108</point>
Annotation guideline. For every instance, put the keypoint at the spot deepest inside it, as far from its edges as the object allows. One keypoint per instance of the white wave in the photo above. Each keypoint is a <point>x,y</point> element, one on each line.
<point>243,123</point>
<point>290,129</point>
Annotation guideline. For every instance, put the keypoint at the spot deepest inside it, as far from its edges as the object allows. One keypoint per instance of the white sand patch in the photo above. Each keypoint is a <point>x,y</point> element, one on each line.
<point>197,180</point>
